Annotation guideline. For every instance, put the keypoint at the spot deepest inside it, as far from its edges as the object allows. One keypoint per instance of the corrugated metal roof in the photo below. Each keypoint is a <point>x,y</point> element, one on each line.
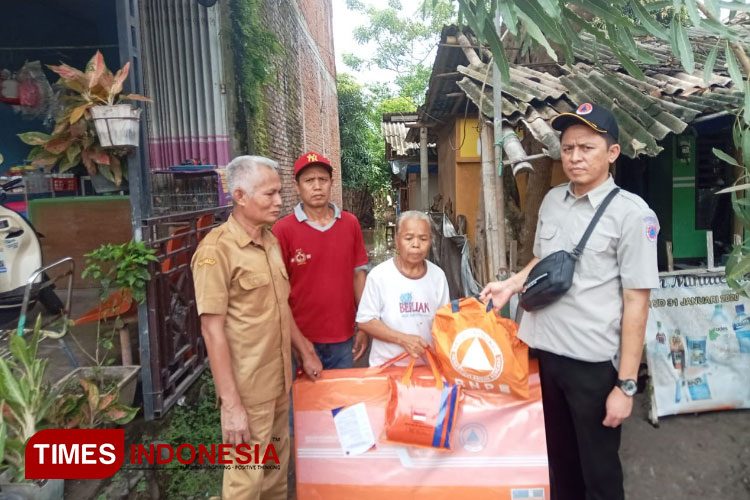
<point>647,111</point>
<point>395,137</point>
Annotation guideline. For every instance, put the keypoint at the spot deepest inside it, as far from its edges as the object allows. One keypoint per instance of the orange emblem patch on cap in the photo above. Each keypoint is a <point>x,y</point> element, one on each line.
<point>312,157</point>
<point>584,108</point>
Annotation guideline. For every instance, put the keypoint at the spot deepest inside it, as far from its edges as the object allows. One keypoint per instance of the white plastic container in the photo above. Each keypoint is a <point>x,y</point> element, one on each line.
<point>117,125</point>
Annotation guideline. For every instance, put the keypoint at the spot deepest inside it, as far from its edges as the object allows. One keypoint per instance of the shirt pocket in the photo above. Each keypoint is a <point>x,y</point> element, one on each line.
<point>254,293</point>
<point>598,257</point>
<point>548,239</point>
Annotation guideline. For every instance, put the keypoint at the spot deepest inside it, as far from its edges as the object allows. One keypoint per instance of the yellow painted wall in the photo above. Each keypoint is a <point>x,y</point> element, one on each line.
<point>468,184</point>
<point>460,170</point>
<point>467,140</point>
<point>468,172</point>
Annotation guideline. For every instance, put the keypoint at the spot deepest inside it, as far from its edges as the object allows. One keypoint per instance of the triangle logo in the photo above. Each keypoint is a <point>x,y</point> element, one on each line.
<point>475,358</point>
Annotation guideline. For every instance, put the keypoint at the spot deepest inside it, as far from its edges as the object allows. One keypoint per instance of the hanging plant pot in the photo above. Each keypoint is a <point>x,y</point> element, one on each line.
<point>117,125</point>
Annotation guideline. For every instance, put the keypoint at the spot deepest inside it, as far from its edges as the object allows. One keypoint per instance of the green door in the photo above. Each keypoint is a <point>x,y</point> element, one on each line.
<point>687,242</point>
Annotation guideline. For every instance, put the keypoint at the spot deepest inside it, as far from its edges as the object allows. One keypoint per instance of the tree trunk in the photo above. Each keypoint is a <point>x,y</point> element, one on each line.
<point>536,188</point>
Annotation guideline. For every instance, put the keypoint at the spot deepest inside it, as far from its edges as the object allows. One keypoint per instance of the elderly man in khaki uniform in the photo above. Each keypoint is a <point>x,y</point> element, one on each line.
<point>242,292</point>
<point>591,339</point>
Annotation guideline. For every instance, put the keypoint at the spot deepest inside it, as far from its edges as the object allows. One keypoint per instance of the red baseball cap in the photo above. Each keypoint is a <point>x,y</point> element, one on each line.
<point>311,158</point>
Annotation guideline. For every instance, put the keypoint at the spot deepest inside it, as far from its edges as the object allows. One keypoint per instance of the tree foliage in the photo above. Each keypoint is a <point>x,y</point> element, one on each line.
<point>363,162</point>
<point>550,22</point>
<point>554,21</point>
<point>405,42</point>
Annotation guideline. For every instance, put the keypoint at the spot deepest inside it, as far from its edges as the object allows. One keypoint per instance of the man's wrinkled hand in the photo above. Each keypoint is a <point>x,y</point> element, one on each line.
<point>234,424</point>
<point>361,343</point>
<point>619,407</point>
<point>312,366</point>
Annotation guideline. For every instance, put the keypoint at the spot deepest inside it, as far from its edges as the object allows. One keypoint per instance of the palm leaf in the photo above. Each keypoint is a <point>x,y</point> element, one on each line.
<point>734,70</point>
<point>498,52</point>
<point>508,13</point>
<point>533,30</point>
<point>681,45</point>
<point>708,66</point>
<point>647,21</point>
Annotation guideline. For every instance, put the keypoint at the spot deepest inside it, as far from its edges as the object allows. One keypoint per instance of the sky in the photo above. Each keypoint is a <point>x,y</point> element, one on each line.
<point>344,22</point>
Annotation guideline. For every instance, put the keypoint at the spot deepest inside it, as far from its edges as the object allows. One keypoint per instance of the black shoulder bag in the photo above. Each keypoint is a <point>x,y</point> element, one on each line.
<point>552,276</point>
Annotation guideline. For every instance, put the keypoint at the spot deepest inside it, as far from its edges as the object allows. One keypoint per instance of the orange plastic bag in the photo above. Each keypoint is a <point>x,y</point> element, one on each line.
<point>498,448</point>
<point>478,349</point>
<point>421,412</point>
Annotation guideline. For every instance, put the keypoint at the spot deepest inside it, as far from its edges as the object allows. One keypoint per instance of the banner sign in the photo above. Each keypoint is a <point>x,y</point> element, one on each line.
<point>698,345</point>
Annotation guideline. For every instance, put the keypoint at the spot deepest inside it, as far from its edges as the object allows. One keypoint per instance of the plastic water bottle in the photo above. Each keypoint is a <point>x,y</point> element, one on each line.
<point>719,343</point>
<point>741,327</point>
<point>661,340</point>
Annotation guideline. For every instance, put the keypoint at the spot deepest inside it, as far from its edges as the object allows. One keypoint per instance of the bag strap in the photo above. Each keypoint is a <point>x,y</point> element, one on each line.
<point>395,360</point>
<point>578,250</point>
<point>406,380</point>
<point>455,307</point>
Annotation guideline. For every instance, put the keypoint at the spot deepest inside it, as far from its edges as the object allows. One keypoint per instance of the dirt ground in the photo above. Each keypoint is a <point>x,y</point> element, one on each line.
<point>703,456</point>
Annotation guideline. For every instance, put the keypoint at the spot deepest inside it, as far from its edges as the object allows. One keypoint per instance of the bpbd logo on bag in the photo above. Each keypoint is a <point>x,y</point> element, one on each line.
<point>480,350</point>
<point>476,357</point>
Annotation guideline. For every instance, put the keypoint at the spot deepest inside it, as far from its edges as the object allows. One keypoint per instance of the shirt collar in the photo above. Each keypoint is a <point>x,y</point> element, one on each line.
<point>242,238</point>
<point>301,216</point>
<point>596,195</point>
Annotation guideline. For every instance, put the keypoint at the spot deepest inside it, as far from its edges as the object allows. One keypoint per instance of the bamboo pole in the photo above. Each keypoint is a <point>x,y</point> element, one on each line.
<point>490,191</point>
<point>500,271</point>
<point>424,172</point>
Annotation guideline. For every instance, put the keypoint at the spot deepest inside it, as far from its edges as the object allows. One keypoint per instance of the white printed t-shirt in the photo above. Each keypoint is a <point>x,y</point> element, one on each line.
<point>403,304</point>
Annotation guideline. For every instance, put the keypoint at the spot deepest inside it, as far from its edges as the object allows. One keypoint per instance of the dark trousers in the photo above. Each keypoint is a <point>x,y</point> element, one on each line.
<point>583,454</point>
<point>337,355</point>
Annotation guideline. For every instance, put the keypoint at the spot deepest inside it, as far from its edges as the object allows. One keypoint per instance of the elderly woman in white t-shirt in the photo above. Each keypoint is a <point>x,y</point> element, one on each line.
<point>402,294</point>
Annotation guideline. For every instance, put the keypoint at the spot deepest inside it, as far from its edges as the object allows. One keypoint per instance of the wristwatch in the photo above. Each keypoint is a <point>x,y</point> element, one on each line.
<point>628,386</point>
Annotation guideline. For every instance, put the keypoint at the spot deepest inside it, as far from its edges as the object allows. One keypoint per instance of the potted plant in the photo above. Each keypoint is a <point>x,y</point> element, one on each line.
<point>26,406</point>
<point>122,272</point>
<point>93,126</point>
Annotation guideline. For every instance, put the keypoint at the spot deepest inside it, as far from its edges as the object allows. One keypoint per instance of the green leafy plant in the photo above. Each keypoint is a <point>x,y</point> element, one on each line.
<point>122,267</point>
<point>255,49</point>
<point>91,408</point>
<point>198,422</point>
<point>73,140</point>
<point>94,401</point>
<point>119,268</point>
<point>738,264</point>
<point>26,400</point>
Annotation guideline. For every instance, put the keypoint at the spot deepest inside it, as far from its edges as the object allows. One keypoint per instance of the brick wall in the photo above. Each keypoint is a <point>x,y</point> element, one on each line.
<point>302,113</point>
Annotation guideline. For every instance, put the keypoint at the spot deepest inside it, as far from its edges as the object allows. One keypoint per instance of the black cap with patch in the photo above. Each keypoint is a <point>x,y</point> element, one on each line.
<point>598,118</point>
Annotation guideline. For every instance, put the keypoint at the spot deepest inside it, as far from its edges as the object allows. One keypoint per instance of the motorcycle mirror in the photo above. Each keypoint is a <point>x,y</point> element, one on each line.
<point>11,184</point>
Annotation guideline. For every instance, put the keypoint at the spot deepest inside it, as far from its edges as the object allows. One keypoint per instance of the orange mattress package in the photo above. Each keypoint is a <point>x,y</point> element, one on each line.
<point>497,445</point>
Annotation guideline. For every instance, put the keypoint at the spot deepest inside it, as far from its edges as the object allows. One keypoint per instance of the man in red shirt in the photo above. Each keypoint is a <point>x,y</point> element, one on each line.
<point>326,260</point>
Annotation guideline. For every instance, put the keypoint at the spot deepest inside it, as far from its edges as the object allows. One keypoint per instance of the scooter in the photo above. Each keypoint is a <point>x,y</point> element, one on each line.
<point>20,257</point>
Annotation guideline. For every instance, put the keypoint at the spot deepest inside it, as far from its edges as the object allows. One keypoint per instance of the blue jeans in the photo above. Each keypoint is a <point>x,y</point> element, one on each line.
<point>337,355</point>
